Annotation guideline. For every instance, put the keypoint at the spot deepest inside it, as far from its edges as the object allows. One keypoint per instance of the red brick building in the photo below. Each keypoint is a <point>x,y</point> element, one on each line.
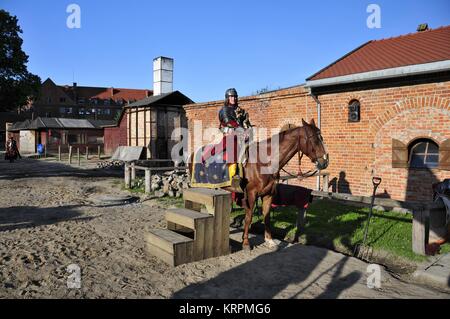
<point>73,101</point>
<point>384,110</point>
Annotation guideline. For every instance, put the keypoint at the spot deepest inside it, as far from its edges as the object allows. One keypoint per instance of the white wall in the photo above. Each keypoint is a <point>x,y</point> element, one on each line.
<point>27,142</point>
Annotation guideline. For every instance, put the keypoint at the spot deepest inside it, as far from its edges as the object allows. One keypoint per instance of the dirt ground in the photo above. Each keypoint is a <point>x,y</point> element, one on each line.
<point>47,222</point>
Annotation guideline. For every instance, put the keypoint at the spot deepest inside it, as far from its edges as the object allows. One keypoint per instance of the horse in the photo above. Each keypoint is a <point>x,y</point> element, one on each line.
<point>305,139</point>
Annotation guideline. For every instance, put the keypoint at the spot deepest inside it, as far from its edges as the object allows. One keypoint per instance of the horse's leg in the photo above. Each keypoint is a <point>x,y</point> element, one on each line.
<point>266,205</point>
<point>249,203</point>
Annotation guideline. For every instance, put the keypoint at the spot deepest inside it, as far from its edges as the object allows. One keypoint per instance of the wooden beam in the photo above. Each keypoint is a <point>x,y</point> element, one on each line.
<point>420,217</point>
<point>133,172</point>
<point>137,128</point>
<point>387,202</point>
<point>129,127</point>
<point>151,143</point>
<point>145,127</point>
<point>127,177</point>
<point>148,178</point>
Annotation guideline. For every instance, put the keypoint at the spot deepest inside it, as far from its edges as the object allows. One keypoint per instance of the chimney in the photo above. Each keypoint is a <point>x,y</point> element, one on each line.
<point>74,88</point>
<point>162,75</point>
<point>422,27</point>
<point>111,91</point>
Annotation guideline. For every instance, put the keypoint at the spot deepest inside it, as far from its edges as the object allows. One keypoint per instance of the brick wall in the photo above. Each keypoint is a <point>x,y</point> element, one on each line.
<point>362,149</point>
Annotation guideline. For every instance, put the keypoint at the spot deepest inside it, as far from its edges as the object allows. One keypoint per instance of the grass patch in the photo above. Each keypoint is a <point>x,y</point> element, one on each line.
<point>340,227</point>
<point>171,201</point>
<point>138,187</point>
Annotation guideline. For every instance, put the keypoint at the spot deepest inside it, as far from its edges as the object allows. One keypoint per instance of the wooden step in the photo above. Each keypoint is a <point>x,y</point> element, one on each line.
<point>185,217</point>
<point>171,247</point>
<point>204,196</point>
<point>203,226</point>
<point>218,202</point>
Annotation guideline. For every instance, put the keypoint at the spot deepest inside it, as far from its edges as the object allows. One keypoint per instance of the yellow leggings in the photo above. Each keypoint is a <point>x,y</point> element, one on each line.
<point>232,170</point>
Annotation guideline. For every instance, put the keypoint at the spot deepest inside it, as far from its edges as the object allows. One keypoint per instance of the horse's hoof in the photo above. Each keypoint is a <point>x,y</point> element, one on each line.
<point>246,247</point>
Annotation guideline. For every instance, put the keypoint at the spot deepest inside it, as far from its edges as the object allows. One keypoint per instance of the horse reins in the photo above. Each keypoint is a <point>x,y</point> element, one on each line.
<point>300,175</point>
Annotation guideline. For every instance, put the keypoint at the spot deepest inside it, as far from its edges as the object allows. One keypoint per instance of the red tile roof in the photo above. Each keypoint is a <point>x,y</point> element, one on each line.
<point>415,48</point>
<point>125,94</point>
<point>116,94</point>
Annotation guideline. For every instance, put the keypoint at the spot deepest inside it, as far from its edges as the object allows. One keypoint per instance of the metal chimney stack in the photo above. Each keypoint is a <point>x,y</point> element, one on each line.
<point>162,75</point>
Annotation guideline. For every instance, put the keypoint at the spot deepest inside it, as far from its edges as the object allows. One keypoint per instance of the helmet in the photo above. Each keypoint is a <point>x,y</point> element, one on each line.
<point>231,92</point>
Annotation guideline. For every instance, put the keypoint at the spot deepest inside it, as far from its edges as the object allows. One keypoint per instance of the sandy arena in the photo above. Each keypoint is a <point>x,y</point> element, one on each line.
<point>48,221</point>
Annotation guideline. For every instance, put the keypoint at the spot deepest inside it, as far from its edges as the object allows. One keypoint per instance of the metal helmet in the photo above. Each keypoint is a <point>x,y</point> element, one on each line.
<point>231,92</point>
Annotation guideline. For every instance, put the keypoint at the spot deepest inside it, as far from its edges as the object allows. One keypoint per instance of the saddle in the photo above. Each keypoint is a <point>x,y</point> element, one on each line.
<point>215,165</point>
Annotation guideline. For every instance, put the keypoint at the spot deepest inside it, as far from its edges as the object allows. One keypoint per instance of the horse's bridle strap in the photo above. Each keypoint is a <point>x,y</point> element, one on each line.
<point>309,173</point>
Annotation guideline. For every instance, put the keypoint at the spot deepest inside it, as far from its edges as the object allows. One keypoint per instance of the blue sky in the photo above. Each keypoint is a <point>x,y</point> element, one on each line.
<point>248,45</point>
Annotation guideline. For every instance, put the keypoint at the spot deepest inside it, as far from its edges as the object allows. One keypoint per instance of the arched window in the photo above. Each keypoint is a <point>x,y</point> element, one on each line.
<point>423,153</point>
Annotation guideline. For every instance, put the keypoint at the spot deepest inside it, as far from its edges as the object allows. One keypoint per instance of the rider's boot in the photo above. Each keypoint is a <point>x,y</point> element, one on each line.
<point>236,182</point>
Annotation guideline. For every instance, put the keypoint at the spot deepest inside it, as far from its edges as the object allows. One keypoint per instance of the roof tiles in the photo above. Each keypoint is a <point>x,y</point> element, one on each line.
<point>410,49</point>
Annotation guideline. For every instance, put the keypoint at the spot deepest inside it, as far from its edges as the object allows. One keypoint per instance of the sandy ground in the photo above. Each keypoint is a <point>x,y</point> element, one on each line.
<point>48,222</point>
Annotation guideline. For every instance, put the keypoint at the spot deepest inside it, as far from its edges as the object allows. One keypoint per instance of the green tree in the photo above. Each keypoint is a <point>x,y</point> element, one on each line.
<point>17,85</point>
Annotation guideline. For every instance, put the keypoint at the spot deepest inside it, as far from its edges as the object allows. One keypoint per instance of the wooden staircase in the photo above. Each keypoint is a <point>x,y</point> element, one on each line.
<point>198,231</point>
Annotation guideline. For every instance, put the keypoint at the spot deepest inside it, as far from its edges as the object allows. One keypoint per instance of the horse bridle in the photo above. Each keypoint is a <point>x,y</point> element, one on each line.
<point>309,173</point>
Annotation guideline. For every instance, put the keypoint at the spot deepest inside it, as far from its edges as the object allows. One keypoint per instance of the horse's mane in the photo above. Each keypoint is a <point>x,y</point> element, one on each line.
<point>281,136</point>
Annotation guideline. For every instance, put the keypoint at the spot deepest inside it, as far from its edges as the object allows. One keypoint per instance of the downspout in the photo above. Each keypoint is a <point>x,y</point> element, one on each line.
<point>318,125</point>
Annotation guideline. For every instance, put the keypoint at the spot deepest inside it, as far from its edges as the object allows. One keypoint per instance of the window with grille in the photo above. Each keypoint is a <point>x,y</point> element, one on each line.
<point>423,153</point>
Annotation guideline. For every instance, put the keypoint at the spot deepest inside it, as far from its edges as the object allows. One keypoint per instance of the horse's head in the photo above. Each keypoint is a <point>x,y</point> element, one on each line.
<point>313,146</point>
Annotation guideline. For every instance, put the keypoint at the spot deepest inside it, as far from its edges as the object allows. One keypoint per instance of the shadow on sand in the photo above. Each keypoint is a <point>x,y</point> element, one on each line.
<point>27,168</point>
<point>267,275</point>
<point>19,217</point>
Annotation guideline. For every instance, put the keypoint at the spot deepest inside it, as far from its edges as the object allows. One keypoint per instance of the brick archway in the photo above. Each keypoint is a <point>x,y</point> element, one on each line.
<point>408,104</point>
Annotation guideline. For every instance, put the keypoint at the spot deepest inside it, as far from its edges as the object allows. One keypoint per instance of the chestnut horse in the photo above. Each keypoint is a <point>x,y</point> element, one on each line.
<point>306,140</point>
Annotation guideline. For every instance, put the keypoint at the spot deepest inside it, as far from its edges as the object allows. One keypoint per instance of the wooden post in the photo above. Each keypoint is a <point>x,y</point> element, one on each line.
<point>70,154</point>
<point>59,153</point>
<point>325,182</point>
<point>133,172</point>
<point>301,216</point>
<point>127,175</point>
<point>419,231</point>
<point>87,153</point>
<point>148,177</point>
<point>98,151</point>
<point>226,210</point>
<point>45,150</point>
<point>78,156</point>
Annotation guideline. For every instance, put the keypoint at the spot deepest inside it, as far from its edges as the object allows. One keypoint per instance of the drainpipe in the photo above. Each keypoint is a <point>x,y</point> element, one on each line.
<point>318,125</point>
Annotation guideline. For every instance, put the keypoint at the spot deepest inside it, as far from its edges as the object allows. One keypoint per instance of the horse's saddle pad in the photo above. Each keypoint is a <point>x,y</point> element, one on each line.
<point>212,173</point>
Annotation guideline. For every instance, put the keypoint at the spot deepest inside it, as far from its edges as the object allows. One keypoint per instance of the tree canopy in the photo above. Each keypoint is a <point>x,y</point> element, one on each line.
<point>17,85</point>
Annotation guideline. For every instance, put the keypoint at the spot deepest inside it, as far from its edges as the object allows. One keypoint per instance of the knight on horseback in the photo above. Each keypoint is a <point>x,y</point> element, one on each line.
<point>233,122</point>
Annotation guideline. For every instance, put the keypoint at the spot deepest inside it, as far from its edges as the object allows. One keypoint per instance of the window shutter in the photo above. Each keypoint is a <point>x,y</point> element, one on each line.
<point>399,154</point>
<point>444,155</point>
